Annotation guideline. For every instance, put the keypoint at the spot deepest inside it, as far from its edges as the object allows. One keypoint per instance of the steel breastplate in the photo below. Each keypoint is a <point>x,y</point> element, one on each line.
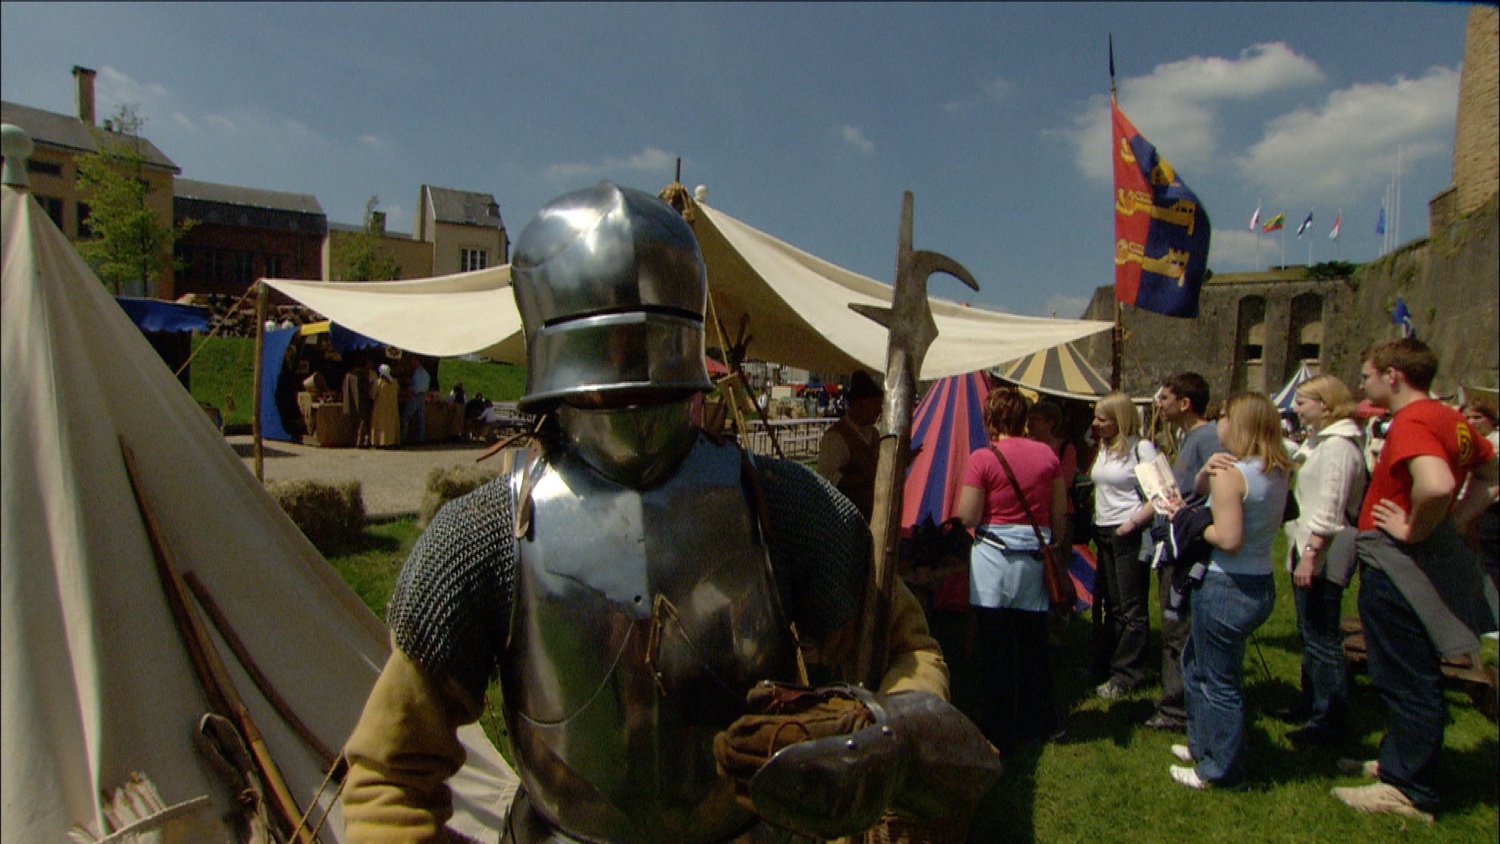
<point>641,620</point>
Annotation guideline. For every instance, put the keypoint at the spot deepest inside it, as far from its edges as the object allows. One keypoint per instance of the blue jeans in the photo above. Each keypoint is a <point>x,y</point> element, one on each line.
<point>1325,675</point>
<point>1227,608</point>
<point>1406,671</point>
<point>414,420</point>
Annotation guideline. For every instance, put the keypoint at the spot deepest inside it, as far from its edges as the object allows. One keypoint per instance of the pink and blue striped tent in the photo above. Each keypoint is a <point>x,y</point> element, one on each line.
<point>948,424</point>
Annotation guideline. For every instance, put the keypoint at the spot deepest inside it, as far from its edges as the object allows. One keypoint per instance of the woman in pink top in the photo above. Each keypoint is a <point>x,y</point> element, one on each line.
<point>1006,585</point>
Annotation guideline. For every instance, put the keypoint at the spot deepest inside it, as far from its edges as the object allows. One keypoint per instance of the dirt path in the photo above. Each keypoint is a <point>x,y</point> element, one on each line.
<point>391,480</point>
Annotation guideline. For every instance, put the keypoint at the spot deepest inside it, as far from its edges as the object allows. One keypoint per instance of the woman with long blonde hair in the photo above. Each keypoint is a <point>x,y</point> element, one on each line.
<point>1247,496</point>
<point>1122,584</point>
<point>1330,484</point>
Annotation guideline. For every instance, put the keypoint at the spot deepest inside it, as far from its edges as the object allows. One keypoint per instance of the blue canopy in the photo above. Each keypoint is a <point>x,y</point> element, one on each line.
<point>156,315</point>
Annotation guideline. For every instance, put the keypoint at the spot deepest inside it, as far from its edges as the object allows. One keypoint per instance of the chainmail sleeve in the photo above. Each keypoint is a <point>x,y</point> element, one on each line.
<point>819,546</point>
<point>450,611</point>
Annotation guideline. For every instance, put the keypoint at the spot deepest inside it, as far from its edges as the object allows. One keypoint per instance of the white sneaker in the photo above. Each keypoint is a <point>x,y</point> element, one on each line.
<point>1187,777</point>
<point>1182,753</point>
<point>1369,769</point>
<point>1378,798</point>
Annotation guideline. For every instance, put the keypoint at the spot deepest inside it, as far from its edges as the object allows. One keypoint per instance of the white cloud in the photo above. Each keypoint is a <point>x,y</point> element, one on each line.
<point>992,90</point>
<point>113,89</point>
<point>1349,144</point>
<point>223,124</point>
<point>1235,249</point>
<point>650,160</point>
<point>373,143</point>
<point>1177,105</point>
<point>184,121</point>
<point>856,138</point>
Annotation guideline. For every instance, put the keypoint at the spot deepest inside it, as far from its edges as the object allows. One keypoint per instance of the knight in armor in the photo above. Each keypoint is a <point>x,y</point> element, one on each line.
<point>670,618</point>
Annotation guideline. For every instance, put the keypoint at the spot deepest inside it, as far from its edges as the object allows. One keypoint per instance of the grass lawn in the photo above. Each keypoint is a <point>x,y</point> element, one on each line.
<point>225,367</point>
<point>1108,781</point>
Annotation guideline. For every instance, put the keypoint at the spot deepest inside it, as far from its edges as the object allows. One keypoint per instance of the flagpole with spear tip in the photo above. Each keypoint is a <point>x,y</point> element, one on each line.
<point>1117,335</point>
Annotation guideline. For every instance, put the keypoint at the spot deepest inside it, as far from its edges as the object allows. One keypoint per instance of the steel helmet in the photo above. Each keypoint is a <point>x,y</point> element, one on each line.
<point>612,288</point>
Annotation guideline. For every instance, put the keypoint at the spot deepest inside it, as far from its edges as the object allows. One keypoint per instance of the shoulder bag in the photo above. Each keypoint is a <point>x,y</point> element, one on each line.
<point>1060,590</point>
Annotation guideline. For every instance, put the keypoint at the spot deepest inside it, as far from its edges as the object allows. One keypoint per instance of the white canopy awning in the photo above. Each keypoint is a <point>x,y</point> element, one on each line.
<point>797,304</point>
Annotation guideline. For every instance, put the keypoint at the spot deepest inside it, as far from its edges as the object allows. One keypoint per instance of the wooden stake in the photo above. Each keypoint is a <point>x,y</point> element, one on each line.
<point>213,676</point>
<point>241,653</point>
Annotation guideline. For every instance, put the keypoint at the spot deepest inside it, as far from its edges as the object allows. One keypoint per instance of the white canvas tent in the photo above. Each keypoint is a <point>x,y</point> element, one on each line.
<point>797,304</point>
<point>95,682</point>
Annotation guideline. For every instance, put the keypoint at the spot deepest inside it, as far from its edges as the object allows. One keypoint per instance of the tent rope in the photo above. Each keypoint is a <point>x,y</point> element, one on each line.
<point>217,329</point>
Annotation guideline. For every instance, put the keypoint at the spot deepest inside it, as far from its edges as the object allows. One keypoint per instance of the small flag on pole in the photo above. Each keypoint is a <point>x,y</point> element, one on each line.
<point>1333,233</point>
<point>1401,316</point>
<point>1305,224</point>
<point>1380,221</point>
<point>1255,218</point>
<point>1276,223</point>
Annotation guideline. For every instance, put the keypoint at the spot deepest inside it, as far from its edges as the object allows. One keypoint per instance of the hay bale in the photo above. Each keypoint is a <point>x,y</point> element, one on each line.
<point>446,484</point>
<point>330,515</point>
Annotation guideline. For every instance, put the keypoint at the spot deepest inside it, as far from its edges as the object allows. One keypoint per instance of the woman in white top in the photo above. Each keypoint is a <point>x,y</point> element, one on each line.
<point>1247,496</point>
<point>1331,481</point>
<point>1121,515</point>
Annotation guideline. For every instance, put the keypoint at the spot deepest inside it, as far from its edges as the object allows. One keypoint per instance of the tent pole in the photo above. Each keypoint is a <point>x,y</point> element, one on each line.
<point>260,344</point>
<point>213,675</point>
<point>1117,349</point>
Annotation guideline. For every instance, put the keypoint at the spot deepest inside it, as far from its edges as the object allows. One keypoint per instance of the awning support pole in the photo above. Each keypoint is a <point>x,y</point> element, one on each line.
<point>260,344</point>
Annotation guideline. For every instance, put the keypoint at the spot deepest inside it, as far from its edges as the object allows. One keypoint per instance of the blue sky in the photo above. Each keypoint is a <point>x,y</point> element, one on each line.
<point>806,121</point>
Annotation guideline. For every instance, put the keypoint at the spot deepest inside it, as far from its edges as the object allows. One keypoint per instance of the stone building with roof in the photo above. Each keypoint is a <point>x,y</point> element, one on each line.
<point>242,234</point>
<point>60,139</point>
<point>454,231</point>
<point>464,228</point>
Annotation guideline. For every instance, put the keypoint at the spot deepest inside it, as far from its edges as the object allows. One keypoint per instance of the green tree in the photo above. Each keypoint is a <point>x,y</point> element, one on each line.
<point>363,255</point>
<point>127,243</point>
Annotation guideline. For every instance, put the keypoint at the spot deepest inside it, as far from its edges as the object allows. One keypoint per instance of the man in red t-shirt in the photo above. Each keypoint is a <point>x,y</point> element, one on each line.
<point>1422,596</point>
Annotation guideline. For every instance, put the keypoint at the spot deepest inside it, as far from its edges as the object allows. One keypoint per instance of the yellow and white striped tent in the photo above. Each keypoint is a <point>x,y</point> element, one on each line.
<point>1058,371</point>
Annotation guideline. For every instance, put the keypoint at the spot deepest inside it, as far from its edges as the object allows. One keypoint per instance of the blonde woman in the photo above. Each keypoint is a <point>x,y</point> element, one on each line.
<point>1247,495</point>
<point>1330,485</point>
<point>1121,515</point>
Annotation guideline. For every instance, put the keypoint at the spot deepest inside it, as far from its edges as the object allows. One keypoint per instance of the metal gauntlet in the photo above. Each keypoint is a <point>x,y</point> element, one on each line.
<point>920,756</point>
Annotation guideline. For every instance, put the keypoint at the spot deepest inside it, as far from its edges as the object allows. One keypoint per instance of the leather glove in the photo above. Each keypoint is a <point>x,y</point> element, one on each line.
<point>780,715</point>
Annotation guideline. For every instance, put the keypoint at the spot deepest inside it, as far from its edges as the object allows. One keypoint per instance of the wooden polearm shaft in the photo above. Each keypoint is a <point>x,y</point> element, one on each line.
<point>911,331</point>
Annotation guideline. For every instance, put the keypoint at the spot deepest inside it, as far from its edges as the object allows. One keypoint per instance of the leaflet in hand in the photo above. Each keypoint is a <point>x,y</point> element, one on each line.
<point>1159,484</point>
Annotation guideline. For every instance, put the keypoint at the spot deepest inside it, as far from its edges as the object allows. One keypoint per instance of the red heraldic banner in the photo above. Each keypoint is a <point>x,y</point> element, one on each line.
<point>1161,230</point>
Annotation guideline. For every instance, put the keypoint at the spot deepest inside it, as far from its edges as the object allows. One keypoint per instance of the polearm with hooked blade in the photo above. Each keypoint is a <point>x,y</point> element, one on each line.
<point>911,330</point>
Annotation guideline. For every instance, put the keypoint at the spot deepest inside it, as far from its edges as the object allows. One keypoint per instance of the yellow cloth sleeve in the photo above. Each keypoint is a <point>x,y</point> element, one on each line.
<point>915,660</point>
<point>401,754</point>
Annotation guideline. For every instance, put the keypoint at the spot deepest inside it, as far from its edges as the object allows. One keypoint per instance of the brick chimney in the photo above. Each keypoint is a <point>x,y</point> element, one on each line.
<point>84,82</point>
